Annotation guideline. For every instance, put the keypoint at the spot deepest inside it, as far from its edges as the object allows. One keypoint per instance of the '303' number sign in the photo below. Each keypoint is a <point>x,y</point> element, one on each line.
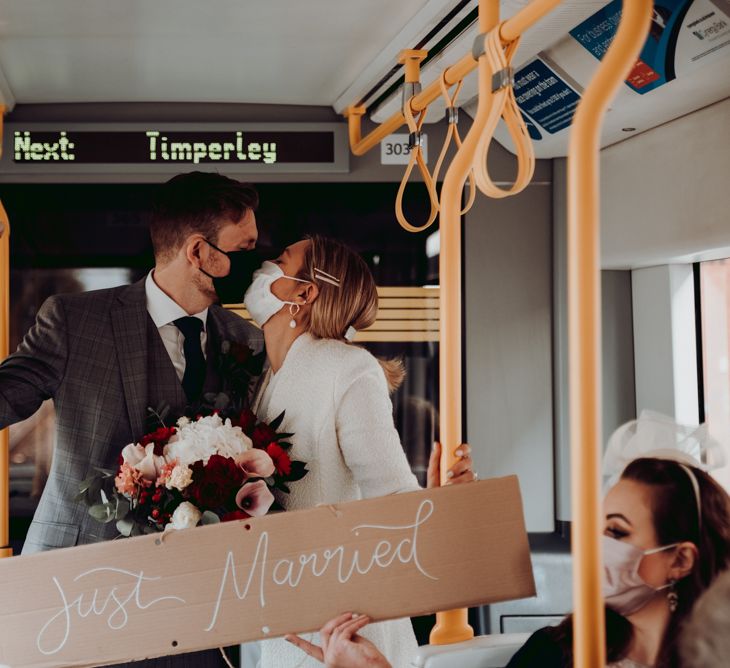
<point>394,149</point>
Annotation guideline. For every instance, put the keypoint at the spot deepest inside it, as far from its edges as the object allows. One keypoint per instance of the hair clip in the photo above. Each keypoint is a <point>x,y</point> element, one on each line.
<point>350,333</point>
<point>327,278</point>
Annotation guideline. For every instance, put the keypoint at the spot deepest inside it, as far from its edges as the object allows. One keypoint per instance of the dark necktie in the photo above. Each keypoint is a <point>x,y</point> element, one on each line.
<point>194,376</point>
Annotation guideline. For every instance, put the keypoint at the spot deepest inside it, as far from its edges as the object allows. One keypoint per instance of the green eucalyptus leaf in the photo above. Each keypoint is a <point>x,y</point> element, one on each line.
<point>209,517</point>
<point>125,526</point>
<point>101,512</point>
<point>122,509</point>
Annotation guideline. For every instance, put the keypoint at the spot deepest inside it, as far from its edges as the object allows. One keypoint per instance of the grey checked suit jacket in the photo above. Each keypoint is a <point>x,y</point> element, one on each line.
<point>89,353</point>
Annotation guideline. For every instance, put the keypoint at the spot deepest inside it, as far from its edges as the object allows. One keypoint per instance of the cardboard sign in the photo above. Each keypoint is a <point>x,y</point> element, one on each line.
<point>218,585</point>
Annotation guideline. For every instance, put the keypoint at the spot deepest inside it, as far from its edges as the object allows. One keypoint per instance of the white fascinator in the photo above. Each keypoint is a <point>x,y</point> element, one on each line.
<point>658,436</point>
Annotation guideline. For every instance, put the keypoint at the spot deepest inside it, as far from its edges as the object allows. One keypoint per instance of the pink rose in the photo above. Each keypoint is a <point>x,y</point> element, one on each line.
<point>151,465</point>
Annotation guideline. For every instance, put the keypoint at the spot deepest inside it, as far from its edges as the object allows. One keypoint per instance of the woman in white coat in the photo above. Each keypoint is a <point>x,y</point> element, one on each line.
<point>309,302</point>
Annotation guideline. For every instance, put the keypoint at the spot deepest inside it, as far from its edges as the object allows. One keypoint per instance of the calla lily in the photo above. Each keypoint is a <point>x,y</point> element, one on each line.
<point>256,463</point>
<point>255,498</point>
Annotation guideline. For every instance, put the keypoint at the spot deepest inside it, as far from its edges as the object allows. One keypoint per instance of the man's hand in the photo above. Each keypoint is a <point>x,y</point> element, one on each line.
<point>460,472</point>
<point>342,647</point>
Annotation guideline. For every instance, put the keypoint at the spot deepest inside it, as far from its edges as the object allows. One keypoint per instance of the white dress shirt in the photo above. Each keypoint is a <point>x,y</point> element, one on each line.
<point>164,311</point>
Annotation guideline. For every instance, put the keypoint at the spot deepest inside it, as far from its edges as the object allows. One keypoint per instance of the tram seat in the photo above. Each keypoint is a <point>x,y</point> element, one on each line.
<point>492,651</point>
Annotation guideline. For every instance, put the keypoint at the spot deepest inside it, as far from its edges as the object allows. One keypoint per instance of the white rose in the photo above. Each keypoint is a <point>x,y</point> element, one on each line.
<point>186,516</point>
<point>197,441</point>
<point>133,454</point>
<point>180,478</point>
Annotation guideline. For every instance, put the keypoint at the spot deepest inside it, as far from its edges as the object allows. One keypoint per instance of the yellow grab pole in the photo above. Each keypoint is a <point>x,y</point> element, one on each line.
<point>510,30</point>
<point>584,331</point>
<point>5,550</point>
<point>452,625</point>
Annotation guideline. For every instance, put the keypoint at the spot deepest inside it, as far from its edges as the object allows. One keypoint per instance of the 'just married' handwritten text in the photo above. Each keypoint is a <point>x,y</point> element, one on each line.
<point>114,606</point>
<point>290,572</point>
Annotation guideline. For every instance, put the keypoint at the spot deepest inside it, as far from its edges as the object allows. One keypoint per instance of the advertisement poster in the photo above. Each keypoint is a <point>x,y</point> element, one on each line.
<point>544,97</point>
<point>682,33</point>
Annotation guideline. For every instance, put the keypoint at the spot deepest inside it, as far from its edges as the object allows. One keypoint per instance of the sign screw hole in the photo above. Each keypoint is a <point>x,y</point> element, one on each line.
<point>174,643</point>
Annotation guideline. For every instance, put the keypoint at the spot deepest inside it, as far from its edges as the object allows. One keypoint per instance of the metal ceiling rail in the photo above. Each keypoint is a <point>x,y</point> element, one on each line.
<point>510,30</point>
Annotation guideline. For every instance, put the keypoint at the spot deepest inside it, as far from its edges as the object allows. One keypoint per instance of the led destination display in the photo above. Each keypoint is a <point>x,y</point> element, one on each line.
<point>160,147</point>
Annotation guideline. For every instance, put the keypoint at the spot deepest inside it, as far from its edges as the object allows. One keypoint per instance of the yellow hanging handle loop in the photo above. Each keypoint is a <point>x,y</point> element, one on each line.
<point>496,85</point>
<point>414,127</point>
<point>412,59</point>
<point>452,117</point>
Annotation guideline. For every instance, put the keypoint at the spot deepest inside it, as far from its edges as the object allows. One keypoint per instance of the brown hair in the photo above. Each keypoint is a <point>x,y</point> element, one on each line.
<point>676,519</point>
<point>354,303</point>
<point>199,202</point>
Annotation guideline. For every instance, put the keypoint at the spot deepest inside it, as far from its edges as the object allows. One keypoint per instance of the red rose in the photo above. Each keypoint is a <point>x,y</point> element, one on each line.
<point>246,420</point>
<point>262,435</point>
<point>235,515</point>
<point>160,437</point>
<point>216,484</point>
<point>280,458</point>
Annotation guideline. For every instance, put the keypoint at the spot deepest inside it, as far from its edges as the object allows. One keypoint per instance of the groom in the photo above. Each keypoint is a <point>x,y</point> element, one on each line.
<point>104,357</point>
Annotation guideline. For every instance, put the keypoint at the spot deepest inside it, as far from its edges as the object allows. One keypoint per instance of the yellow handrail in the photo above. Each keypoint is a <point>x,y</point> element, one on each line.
<point>508,31</point>
<point>584,330</point>
<point>452,626</point>
<point>5,550</point>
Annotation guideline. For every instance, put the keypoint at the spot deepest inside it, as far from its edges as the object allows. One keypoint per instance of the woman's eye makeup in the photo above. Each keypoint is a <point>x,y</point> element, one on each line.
<point>616,532</point>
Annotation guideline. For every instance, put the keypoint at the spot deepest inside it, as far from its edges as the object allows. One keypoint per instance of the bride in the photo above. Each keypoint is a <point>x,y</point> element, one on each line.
<point>310,302</point>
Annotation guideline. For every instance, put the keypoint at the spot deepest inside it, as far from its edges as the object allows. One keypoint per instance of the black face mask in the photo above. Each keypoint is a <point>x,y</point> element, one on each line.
<point>231,287</point>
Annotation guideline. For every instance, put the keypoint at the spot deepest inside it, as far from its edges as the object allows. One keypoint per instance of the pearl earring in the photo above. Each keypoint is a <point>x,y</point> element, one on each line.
<point>292,312</point>
<point>672,596</point>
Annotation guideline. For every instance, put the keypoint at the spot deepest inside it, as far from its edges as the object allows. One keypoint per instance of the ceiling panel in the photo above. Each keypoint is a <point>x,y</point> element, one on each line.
<point>264,51</point>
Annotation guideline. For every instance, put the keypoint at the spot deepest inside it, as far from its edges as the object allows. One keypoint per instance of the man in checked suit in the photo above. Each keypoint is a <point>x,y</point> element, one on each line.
<point>105,356</point>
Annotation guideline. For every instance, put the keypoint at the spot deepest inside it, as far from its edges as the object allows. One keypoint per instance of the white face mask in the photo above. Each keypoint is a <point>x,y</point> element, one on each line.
<point>260,302</point>
<point>623,588</point>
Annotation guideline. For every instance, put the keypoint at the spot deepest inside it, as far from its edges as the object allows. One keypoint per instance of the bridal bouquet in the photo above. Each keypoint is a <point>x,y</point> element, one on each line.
<point>219,466</point>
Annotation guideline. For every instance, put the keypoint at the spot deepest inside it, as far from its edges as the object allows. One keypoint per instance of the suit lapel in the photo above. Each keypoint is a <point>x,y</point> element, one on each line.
<point>219,332</point>
<point>129,322</point>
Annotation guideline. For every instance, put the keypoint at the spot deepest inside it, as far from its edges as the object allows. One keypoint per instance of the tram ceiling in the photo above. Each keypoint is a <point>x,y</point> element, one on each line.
<point>227,51</point>
<point>324,53</point>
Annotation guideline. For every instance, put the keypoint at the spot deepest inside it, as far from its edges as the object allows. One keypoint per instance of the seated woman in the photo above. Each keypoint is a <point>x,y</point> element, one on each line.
<point>666,538</point>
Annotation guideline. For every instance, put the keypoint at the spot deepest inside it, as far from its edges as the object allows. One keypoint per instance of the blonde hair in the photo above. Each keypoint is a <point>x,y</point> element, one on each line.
<point>350,300</point>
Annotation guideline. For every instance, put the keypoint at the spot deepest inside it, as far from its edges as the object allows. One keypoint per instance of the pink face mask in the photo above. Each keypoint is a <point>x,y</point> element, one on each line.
<point>623,588</point>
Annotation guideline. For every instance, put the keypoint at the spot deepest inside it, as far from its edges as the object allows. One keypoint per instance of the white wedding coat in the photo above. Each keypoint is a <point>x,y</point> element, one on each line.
<point>337,404</point>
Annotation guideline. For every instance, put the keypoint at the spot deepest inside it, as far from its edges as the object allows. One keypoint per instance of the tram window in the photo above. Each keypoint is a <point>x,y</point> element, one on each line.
<point>71,238</point>
<point>715,319</point>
